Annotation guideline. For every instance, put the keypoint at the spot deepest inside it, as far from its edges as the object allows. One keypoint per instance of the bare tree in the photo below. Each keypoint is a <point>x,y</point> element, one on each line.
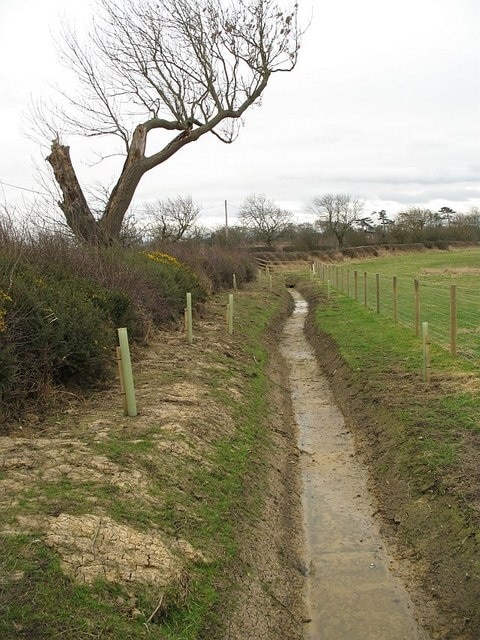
<point>337,213</point>
<point>466,226</point>
<point>414,223</point>
<point>186,66</point>
<point>304,236</point>
<point>264,217</point>
<point>172,219</point>
<point>238,236</point>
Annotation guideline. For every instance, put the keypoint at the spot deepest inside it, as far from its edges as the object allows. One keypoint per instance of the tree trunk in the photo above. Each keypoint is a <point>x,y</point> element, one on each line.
<point>74,205</point>
<point>123,192</point>
<point>79,217</point>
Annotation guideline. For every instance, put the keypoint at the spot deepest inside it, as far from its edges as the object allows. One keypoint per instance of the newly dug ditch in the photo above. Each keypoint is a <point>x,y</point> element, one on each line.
<point>352,591</point>
<point>185,522</point>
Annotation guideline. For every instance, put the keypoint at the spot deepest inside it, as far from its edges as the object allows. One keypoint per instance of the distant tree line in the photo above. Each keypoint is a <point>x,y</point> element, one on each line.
<point>411,225</point>
<point>340,221</point>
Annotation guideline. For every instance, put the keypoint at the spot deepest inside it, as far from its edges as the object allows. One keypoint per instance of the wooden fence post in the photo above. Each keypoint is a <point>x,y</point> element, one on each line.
<point>189,319</point>
<point>377,282</point>
<point>355,284</point>
<point>235,283</point>
<point>453,320</point>
<point>395,300</point>
<point>426,352</point>
<point>230,313</point>
<point>417,306</point>
<point>365,289</point>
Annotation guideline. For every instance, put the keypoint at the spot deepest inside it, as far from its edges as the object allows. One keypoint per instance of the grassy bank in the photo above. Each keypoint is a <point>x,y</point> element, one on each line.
<point>422,443</point>
<point>182,475</point>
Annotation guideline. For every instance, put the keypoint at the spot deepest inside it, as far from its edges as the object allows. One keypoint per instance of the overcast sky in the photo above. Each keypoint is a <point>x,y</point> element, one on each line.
<point>384,104</point>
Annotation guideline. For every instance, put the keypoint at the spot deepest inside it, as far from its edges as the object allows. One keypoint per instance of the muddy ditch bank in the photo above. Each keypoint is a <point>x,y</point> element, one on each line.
<point>429,532</point>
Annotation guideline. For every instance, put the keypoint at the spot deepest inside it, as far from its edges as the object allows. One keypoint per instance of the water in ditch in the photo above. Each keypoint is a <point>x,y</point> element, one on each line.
<point>351,593</point>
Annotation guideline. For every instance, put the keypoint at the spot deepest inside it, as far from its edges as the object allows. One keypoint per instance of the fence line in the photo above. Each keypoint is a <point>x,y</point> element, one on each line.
<point>452,312</point>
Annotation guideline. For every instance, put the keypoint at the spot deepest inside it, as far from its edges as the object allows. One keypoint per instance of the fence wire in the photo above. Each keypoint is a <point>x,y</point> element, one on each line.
<point>452,313</point>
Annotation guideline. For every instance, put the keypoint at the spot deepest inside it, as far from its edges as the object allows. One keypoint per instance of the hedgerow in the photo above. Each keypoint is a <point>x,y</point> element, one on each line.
<point>214,266</point>
<point>60,306</point>
<point>54,330</point>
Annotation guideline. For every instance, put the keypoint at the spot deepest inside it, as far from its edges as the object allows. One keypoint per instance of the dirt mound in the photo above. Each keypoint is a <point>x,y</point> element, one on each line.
<point>93,547</point>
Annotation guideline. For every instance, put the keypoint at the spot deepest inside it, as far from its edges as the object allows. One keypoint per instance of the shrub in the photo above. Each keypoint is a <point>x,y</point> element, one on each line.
<point>60,306</point>
<point>54,330</point>
<point>143,292</point>
<point>171,279</point>
<point>213,266</point>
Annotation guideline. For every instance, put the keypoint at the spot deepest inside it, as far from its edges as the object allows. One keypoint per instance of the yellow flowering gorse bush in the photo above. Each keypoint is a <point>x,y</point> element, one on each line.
<point>170,261</point>
<point>164,258</point>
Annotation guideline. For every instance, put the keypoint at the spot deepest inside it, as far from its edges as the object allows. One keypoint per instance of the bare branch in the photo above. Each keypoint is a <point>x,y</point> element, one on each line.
<point>191,66</point>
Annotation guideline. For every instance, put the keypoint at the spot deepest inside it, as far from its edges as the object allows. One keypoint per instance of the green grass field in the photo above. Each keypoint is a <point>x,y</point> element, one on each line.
<point>436,272</point>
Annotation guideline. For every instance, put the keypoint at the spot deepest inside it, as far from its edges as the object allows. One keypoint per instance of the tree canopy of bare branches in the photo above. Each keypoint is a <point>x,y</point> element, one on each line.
<point>187,67</point>
<point>337,213</point>
<point>267,220</point>
<point>172,219</point>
